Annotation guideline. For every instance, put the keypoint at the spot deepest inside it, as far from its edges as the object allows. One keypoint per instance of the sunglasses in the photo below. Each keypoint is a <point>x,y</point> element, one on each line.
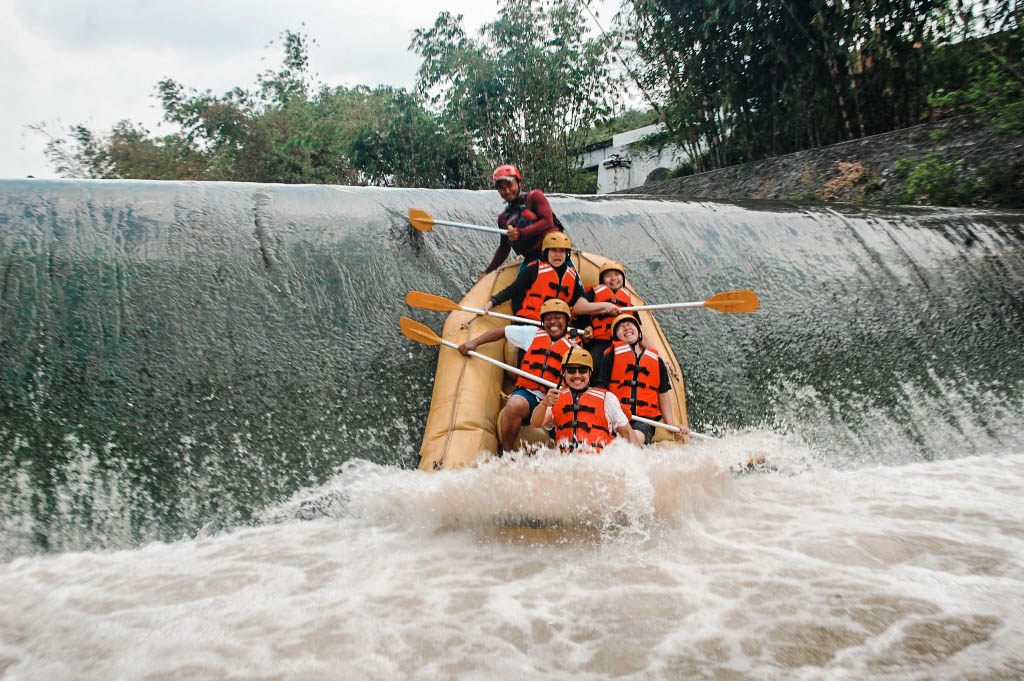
<point>569,371</point>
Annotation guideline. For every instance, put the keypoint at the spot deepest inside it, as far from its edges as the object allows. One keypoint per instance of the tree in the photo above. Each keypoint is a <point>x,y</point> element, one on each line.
<point>284,130</point>
<point>994,85</point>
<point>526,91</point>
<point>747,79</point>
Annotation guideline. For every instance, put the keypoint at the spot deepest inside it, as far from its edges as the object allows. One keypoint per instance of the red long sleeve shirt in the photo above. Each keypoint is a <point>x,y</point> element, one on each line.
<point>531,236</point>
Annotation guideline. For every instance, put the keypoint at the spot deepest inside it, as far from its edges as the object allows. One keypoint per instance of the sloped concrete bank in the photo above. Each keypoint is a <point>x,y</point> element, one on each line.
<point>956,161</point>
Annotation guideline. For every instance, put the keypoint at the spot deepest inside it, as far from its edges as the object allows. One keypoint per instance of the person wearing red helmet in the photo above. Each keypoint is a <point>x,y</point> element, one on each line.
<point>526,218</point>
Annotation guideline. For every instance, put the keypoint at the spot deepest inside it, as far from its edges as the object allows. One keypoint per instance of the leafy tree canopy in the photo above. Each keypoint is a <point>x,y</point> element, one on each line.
<point>526,90</point>
<point>286,130</point>
<point>746,79</point>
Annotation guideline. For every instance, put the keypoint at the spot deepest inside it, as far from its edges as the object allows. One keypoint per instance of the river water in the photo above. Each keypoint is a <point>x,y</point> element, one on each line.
<point>207,473</point>
<point>657,566</point>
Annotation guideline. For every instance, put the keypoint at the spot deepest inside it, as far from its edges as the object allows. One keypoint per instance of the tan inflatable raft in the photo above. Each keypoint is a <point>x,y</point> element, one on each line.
<point>469,393</point>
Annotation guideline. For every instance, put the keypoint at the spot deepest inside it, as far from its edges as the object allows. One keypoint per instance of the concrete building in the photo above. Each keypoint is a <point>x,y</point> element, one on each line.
<point>619,166</point>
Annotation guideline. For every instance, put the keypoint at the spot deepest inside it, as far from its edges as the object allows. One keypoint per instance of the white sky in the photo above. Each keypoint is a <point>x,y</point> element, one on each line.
<point>95,62</point>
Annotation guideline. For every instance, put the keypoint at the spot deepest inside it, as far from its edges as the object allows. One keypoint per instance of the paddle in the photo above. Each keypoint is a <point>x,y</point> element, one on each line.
<point>730,302</point>
<point>421,333</point>
<point>428,301</point>
<point>423,222</point>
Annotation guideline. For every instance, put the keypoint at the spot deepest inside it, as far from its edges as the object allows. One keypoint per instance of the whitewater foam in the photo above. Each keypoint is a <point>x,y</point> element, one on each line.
<point>673,569</point>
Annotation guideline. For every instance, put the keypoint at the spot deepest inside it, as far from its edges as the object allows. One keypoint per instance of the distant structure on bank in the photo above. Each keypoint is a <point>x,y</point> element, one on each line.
<point>619,166</point>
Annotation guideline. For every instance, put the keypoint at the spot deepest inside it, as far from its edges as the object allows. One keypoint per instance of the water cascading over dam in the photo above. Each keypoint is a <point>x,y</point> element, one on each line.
<point>177,356</point>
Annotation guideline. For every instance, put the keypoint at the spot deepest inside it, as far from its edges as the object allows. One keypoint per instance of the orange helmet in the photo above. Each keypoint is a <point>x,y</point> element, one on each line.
<point>507,172</point>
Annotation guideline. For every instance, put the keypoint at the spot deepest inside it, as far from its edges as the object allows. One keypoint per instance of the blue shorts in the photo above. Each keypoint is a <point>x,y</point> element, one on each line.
<point>532,397</point>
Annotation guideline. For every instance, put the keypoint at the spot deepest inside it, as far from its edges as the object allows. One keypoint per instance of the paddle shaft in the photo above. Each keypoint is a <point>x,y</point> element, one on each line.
<point>429,301</point>
<point>674,429</point>
<point>511,318</point>
<point>499,315</point>
<point>545,382</point>
<point>479,228</point>
<point>506,367</point>
<point>663,306</point>
<point>729,302</point>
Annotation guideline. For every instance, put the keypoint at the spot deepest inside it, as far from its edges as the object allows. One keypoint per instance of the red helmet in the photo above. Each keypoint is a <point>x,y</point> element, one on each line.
<point>507,172</point>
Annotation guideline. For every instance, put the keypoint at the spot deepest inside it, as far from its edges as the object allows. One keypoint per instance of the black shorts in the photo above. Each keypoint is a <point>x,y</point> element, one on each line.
<point>646,429</point>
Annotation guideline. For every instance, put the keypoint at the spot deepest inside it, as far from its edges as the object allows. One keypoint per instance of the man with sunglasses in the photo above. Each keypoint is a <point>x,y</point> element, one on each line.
<point>544,349</point>
<point>582,416</point>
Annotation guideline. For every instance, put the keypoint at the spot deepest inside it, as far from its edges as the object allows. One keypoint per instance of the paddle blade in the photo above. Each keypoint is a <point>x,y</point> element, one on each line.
<point>420,333</point>
<point>732,302</point>
<point>421,220</point>
<point>428,301</point>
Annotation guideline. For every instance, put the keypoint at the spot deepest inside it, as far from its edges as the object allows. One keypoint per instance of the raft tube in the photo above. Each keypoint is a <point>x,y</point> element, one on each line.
<point>469,393</point>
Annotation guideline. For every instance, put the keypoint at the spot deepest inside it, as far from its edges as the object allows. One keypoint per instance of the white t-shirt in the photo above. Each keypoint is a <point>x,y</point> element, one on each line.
<point>612,411</point>
<point>520,335</point>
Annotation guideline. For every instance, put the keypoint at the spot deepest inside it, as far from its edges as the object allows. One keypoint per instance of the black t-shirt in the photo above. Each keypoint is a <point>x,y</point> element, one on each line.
<point>516,291</point>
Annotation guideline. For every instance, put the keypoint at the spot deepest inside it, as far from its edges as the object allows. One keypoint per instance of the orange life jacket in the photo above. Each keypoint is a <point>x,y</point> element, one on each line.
<point>547,285</point>
<point>580,420</point>
<point>635,381</point>
<point>603,324</point>
<point>543,359</point>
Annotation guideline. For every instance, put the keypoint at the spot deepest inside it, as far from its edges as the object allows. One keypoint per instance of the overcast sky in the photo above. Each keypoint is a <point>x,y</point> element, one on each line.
<point>95,62</point>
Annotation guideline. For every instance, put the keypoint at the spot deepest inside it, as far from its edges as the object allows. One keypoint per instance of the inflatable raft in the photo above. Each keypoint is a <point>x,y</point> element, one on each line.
<point>469,393</point>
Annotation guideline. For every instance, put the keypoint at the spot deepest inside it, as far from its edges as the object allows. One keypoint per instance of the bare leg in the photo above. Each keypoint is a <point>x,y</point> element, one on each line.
<point>511,420</point>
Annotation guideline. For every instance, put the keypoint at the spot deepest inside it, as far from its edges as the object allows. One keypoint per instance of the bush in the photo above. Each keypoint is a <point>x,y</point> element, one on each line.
<point>932,182</point>
<point>682,170</point>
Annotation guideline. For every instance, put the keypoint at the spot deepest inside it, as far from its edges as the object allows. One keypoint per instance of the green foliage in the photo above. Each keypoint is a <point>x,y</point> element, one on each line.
<point>1000,185</point>
<point>580,182</point>
<point>126,152</point>
<point>285,130</point>
<point>683,169</point>
<point>526,91</point>
<point>932,182</point>
<point>745,79</point>
<point>994,91</point>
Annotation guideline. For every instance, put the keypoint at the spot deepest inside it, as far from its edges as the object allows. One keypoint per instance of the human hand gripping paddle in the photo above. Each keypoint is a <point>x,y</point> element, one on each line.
<point>423,222</point>
<point>421,333</point>
<point>730,302</point>
<point>428,301</point>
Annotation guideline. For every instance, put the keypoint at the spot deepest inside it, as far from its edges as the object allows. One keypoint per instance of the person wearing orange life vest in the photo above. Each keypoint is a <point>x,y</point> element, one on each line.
<point>612,288</point>
<point>544,349</point>
<point>638,377</point>
<point>553,277</point>
<point>582,416</point>
<point>527,218</point>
